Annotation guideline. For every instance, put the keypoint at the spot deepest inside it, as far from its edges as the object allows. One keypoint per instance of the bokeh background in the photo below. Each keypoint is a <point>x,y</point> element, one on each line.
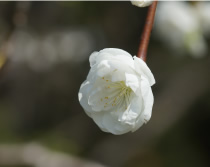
<point>44,51</point>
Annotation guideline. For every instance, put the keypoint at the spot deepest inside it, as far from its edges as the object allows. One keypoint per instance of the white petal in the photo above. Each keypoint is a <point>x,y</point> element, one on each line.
<point>104,68</point>
<point>112,124</point>
<point>132,81</point>
<point>97,117</point>
<point>141,3</point>
<point>94,99</point>
<point>83,95</point>
<point>115,68</point>
<point>104,121</point>
<point>123,128</point>
<point>92,58</point>
<point>142,68</point>
<point>116,52</point>
<point>133,112</point>
<point>102,95</point>
<point>108,122</point>
<point>138,124</point>
<point>97,99</point>
<point>92,77</point>
<point>148,99</point>
<point>113,54</point>
<point>128,117</point>
<point>118,75</point>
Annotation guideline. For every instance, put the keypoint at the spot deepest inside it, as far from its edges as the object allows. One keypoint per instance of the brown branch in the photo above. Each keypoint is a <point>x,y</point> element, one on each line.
<point>142,52</point>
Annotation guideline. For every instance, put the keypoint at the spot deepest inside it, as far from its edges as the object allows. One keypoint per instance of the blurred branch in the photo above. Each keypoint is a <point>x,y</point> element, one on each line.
<point>142,53</point>
<point>38,156</point>
<point>20,17</point>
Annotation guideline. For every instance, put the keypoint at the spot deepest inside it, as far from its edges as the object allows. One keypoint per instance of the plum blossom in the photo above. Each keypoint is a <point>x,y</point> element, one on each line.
<point>177,25</point>
<point>117,93</point>
<point>141,3</point>
<point>203,14</point>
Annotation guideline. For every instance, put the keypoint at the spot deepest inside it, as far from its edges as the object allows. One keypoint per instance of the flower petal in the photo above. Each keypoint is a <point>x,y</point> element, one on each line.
<point>141,3</point>
<point>132,81</point>
<point>114,68</point>
<point>148,99</point>
<point>116,52</point>
<point>83,95</point>
<point>133,112</point>
<point>113,54</point>
<point>142,68</point>
<point>92,58</point>
<point>97,117</point>
<point>111,123</point>
<point>102,95</point>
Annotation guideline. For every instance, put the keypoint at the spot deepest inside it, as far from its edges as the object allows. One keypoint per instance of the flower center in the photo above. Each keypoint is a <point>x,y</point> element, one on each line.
<point>118,95</point>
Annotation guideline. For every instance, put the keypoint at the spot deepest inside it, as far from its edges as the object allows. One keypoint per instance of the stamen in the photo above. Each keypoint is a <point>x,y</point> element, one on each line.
<point>119,95</point>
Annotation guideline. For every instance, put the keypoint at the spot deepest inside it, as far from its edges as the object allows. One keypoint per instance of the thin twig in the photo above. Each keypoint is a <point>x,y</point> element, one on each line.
<point>142,52</point>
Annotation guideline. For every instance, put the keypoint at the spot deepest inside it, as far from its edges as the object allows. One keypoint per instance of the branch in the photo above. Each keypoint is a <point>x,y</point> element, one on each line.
<point>142,52</point>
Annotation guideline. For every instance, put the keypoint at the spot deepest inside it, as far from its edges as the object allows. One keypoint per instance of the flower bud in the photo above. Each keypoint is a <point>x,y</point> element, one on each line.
<point>143,3</point>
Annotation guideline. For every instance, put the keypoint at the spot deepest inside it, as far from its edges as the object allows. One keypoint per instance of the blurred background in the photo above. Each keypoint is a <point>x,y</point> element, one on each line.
<point>44,51</point>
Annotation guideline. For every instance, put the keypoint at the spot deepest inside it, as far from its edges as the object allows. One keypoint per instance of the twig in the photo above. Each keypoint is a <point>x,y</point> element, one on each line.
<point>142,52</point>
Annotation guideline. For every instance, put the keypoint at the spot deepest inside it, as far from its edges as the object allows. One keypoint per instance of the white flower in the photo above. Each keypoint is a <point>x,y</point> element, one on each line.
<point>203,11</point>
<point>117,94</point>
<point>141,3</point>
<point>177,25</point>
